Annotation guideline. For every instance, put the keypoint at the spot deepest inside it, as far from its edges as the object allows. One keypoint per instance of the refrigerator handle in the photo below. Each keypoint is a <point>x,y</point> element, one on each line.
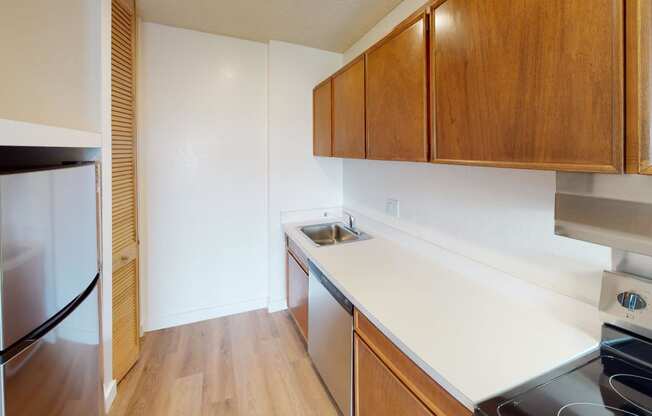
<point>48,325</point>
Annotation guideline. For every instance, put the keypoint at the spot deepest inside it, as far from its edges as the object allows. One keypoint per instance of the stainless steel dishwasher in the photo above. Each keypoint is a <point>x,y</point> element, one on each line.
<point>330,337</point>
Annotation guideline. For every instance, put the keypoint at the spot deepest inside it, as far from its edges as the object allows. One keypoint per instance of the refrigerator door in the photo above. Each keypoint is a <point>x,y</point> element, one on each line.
<point>59,372</point>
<point>48,245</point>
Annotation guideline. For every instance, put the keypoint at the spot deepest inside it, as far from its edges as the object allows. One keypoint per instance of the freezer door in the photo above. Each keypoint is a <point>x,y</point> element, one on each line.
<point>48,245</point>
<point>59,374</point>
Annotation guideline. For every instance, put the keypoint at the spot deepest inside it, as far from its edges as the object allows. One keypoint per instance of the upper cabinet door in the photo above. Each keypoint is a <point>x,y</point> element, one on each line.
<point>397,97</point>
<point>529,84</point>
<point>349,111</point>
<point>639,91</point>
<point>321,114</point>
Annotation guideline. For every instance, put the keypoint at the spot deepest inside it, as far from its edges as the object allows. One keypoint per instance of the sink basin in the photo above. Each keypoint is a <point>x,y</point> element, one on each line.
<point>333,233</point>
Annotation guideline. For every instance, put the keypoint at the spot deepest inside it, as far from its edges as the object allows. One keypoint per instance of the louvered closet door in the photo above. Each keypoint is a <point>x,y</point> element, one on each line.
<point>126,343</point>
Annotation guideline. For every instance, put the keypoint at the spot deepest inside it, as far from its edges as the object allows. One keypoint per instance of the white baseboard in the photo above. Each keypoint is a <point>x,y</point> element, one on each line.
<point>277,305</point>
<point>110,391</point>
<point>203,314</point>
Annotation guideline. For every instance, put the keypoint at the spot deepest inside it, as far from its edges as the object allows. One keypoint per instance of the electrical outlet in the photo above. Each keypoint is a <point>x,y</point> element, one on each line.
<point>392,207</point>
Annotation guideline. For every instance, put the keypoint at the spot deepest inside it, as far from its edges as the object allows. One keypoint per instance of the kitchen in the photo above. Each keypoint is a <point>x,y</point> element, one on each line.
<point>378,207</point>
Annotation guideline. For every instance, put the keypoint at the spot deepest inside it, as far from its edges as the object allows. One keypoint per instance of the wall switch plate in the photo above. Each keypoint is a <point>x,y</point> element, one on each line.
<point>392,207</point>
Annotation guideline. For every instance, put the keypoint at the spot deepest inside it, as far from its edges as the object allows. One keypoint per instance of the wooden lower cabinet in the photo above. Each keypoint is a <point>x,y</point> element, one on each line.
<point>388,383</point>
<point>378,391</point>
<point>297,290</point>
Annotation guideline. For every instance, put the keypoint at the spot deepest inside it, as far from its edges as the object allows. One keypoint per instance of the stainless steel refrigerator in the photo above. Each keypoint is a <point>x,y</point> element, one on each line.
<point>49,294</point>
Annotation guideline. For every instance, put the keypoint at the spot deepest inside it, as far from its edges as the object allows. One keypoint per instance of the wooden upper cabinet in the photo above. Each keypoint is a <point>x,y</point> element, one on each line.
<point>349,111</point>
<point>397,97</point>
<point>529,84</point>
<point>321,112</point>
<point>639,91</point>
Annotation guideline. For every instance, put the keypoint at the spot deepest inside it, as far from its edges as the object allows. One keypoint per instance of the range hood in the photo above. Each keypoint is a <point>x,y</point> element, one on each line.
<point>611,210</point>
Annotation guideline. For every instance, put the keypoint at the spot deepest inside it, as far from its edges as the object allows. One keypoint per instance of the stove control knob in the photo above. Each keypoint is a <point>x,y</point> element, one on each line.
<point>632,301</point>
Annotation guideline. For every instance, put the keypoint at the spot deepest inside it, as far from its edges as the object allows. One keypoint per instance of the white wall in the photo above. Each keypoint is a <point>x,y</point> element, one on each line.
<point>503,218</point>
<point>386,24</point>
<point>50,71</point>
<point>297,180</point>
<point>204,157</point>
<point>500,217</point>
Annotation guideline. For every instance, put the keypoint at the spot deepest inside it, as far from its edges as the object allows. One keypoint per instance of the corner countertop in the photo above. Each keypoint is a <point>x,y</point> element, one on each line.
<point>477,334</point>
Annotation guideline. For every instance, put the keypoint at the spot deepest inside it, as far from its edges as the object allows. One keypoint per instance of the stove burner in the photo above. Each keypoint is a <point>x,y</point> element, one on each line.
<point>606,410</point>
<point>621,379</point>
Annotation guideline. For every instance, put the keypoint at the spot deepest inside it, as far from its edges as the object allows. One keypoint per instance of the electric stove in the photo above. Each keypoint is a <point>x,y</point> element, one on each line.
<point>615,380</point>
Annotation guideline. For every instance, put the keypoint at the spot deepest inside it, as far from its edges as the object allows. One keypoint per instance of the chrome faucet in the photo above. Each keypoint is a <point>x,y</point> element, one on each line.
<point>350,220</point>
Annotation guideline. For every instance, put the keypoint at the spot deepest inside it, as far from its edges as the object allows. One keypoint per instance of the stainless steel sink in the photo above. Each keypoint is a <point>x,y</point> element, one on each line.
<point>332,233</point>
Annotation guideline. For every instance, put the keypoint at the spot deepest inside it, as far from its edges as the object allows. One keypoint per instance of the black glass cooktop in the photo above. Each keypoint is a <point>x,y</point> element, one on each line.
<point>617,382</point>
<point>604,386</point>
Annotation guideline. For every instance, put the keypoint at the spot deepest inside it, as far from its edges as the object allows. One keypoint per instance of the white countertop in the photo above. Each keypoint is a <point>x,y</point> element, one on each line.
<point>477,334</point>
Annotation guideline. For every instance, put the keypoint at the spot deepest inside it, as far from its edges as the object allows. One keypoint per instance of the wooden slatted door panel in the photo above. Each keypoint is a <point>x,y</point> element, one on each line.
<point>126,343</point>
<point>126,348</point>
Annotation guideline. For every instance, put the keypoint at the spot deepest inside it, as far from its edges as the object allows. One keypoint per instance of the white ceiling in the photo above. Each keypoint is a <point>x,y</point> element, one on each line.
<point>332,25</point>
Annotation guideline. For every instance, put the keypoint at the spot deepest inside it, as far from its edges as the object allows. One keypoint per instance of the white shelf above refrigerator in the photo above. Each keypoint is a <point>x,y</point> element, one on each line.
<point>20,133</point>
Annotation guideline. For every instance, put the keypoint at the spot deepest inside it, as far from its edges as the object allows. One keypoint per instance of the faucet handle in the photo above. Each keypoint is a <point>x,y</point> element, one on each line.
<point>351,219</point>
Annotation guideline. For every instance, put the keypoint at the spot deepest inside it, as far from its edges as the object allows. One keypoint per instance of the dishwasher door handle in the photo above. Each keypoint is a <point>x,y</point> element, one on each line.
<point>335,292</point>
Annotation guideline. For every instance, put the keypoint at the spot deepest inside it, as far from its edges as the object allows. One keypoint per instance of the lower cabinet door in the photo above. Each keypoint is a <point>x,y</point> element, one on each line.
<point>377,390</point>
<point>298,294</point>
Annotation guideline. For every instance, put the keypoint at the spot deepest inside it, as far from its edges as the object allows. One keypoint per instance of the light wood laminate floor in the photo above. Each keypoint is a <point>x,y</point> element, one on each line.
<point>247,364</point>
